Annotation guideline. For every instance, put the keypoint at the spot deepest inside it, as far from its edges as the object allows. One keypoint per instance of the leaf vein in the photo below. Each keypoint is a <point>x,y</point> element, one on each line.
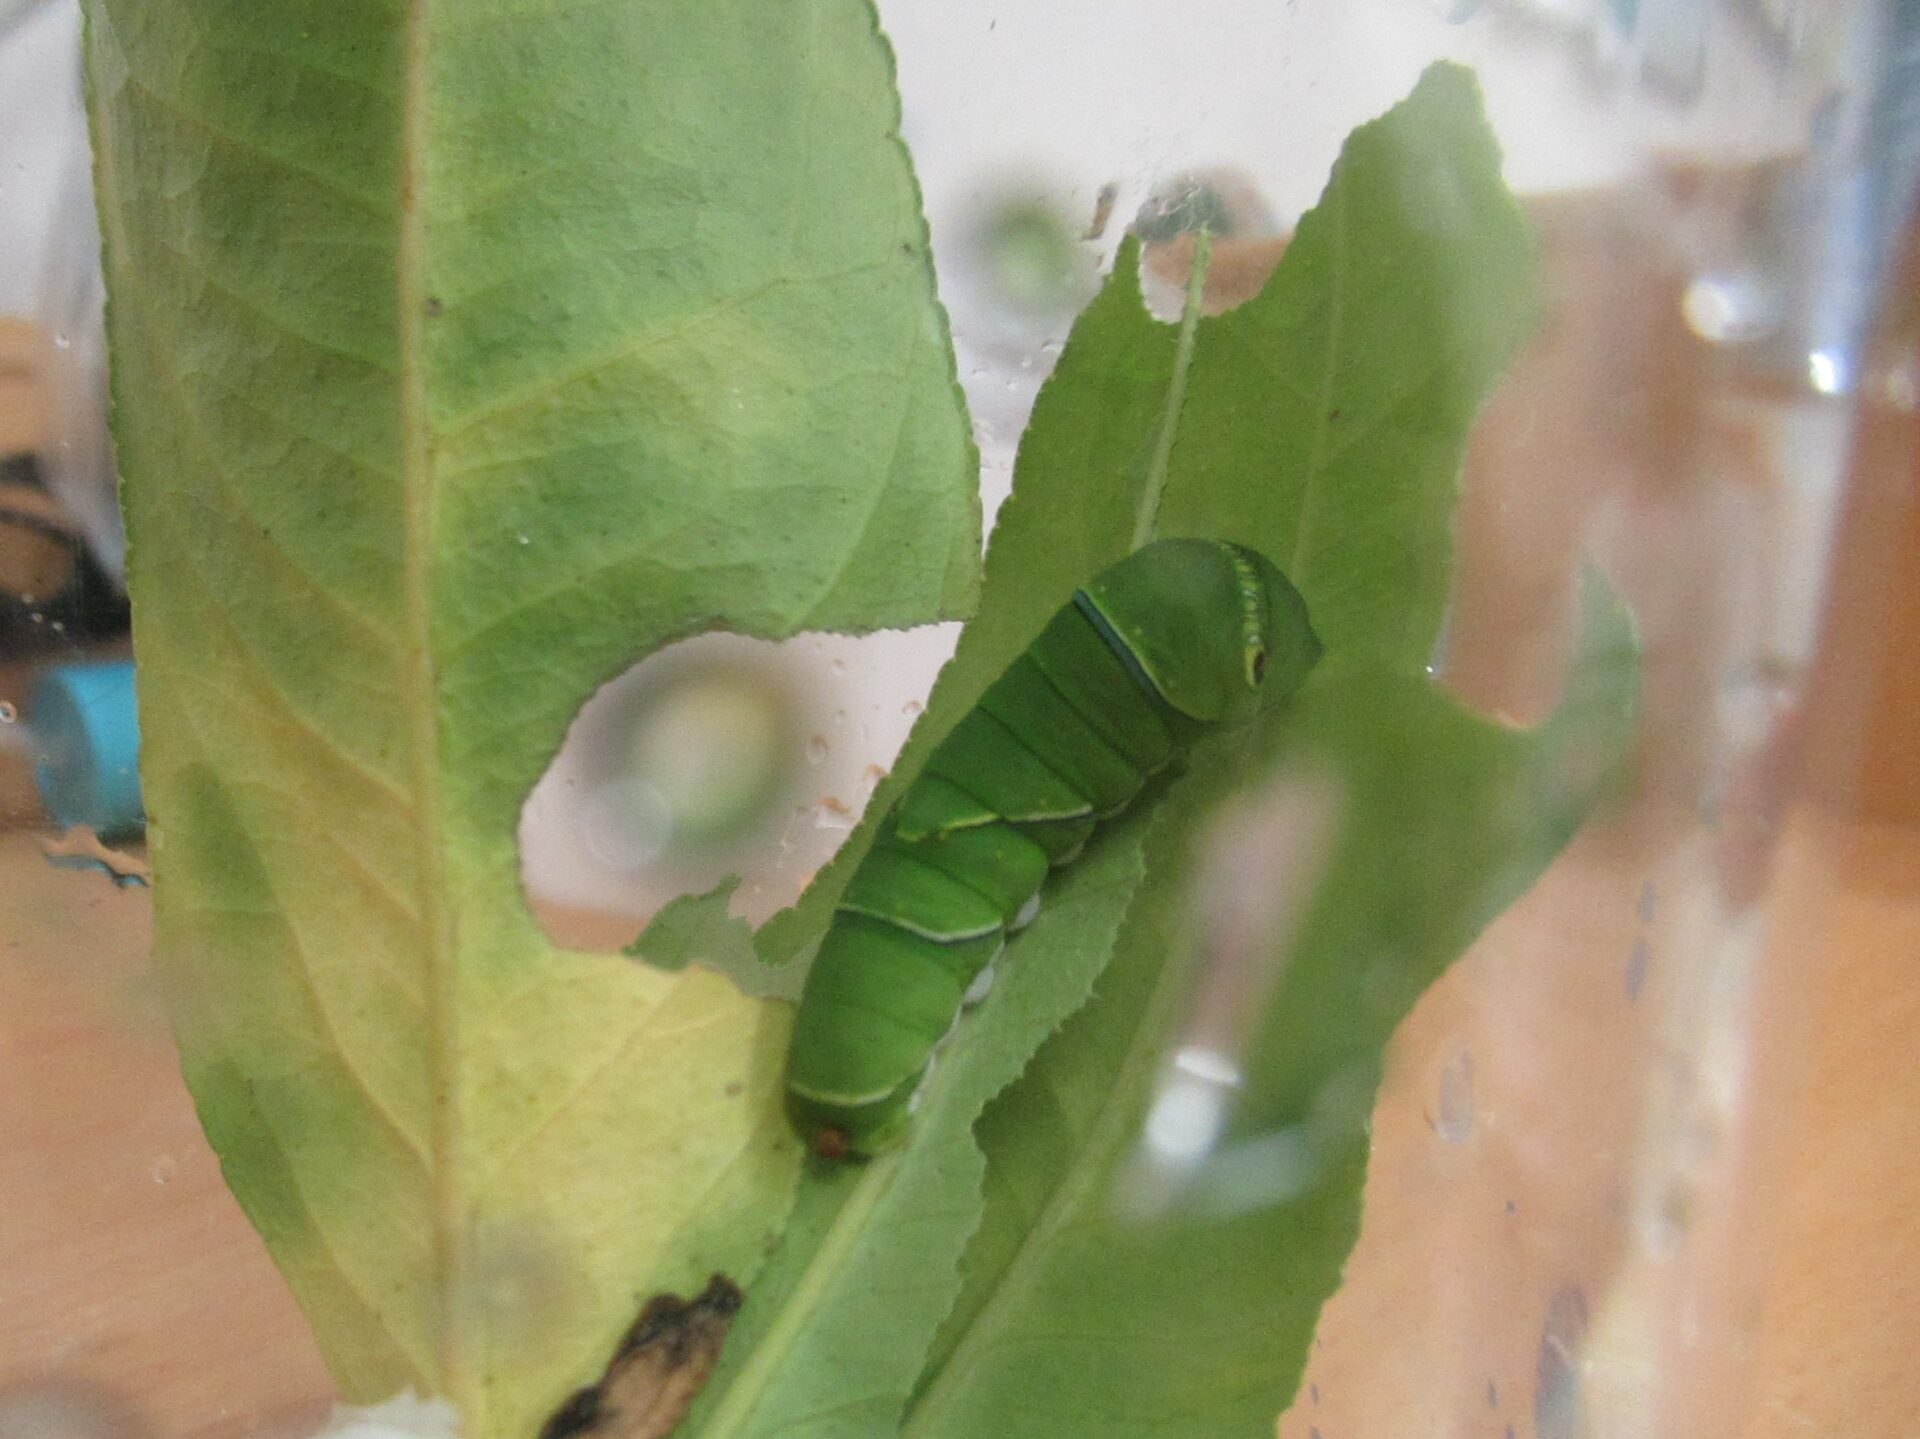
<point>253,527</point>
<point>138,85</point>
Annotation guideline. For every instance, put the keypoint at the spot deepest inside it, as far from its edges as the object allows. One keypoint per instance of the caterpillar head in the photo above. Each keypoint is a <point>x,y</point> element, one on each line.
<point>1212,627</point>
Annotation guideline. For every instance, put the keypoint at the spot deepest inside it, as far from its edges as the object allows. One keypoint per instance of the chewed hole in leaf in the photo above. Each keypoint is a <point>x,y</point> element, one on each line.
<point>1247,240</point>
<point>719,756</point>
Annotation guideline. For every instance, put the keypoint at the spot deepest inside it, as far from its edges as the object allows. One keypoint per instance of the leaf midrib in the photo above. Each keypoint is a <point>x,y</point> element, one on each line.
<point>739,1406</point>
<point>420,694</point>
<point>1105,1137</point>
<point>1318,458</point>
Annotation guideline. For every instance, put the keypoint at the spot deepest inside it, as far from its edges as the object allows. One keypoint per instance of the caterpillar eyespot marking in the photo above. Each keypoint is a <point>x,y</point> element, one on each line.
<point>1179,638</point>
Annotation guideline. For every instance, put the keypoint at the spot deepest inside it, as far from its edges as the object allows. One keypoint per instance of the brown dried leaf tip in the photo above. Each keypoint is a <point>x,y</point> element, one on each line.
<point>656,1372</point>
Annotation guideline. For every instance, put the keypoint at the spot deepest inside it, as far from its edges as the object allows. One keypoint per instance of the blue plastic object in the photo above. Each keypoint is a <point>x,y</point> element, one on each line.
<point>87,737</point>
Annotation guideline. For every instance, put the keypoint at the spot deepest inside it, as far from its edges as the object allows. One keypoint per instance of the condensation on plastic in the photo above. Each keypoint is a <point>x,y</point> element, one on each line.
<point>59,263</point>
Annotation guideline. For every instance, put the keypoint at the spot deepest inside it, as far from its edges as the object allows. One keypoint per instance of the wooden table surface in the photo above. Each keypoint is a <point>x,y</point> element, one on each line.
<point>126,1269</point>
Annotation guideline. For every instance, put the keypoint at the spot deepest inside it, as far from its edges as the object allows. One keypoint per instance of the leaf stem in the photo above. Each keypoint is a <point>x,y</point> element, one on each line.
<point>738,1407</point>
<point>1156,481</point>
<point>457,1379</point>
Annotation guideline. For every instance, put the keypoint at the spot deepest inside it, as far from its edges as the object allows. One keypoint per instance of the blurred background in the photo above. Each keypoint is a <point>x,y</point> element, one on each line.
<point>1646,1159</point>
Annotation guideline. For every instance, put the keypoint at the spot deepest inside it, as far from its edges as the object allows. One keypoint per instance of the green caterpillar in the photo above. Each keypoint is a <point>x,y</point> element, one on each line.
<point>1157,650</point>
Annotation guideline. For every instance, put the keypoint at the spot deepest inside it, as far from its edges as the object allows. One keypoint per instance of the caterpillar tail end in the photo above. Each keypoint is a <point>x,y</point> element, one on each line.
<point>841,1129</point>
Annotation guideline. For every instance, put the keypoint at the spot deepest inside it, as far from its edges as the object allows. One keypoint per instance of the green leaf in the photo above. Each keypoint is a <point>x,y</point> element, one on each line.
<point>835,1337</point>
<point>702,929</point>
<point>464,354</point>
<point>1109,1291</point>
<point>1362,365</point>
<point>1323,423</point>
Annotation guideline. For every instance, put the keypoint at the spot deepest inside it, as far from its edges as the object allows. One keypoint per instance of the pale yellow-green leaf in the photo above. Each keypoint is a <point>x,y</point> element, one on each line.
<point>465,351</point>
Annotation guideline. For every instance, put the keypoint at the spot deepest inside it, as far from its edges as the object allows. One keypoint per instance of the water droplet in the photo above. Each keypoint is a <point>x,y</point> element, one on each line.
<point>524,539</point>
<point>1734,308</point>
<point>59,627</point>
<point>164,1168</point>
<point>1827,372</point>
<point>62,342</point>
<point>1453,1118</point>
<point>8,714</point>
<point>832,812</point>
<point>817,749</point>
<point>1559,1408</point>
<point>519,1286</point>
<point>1665,1230</point>
<point>625,825</point>
<point>840,718</point>
<point>1636,975</point>
<point>67,1409</point>
<point>1493,1395</point>
<point>1896,382</point>
<point>911,708</point>
<point>1190,1111</point>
